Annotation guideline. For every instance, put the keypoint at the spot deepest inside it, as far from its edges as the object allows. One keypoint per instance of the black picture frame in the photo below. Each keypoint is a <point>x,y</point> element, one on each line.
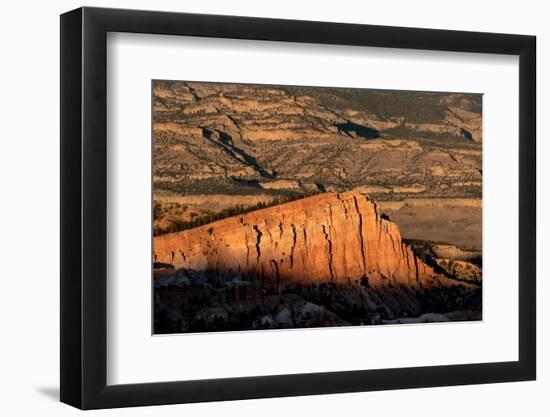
<point>84,207</point>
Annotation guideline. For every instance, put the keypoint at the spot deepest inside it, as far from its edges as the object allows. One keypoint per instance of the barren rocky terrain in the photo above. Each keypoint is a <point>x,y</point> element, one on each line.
<point>332,259</point>
<point>243,139</point>
<point>278,206</point>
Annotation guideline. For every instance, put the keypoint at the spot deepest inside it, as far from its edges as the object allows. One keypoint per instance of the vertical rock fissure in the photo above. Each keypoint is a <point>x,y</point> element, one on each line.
<point>392,243</point>
<point>329,246</point>
<point>258,241</point>
<point>407,261</point>
<point>293,245</point>
<point>276,267</point>
<point>269,233</point>
<point>345,206</point>
<point>360,232</point>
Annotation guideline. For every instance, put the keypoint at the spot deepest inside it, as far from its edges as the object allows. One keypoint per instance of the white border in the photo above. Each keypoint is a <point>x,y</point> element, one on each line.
<point>135,356</point>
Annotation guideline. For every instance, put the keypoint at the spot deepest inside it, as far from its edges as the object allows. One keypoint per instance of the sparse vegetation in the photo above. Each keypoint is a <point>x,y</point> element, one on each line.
<point>417,107</point>
<point>178,225</point>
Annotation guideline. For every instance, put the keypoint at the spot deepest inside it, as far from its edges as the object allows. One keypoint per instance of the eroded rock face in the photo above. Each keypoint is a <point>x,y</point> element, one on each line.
<point>329,237</point>
<point>463,270</point>
<point>236,139</point>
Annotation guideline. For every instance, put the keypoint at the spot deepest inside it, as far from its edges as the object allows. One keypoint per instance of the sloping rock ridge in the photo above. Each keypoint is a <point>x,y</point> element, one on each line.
<point>330,237</point>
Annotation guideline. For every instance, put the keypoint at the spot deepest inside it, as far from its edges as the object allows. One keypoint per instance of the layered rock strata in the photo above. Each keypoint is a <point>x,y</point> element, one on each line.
<point>237,139</point>
<point>325,238</point>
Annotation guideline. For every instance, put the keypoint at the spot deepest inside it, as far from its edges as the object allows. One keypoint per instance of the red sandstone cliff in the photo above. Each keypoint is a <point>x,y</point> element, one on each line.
<point>325,238</point>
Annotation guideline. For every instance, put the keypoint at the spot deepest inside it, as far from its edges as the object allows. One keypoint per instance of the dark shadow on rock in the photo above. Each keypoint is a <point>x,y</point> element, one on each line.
<point>320,187</point>
<point>226,143</point>
<point>246,182</point>
<point>224,300</point>
<point>359,130</point>
<point>50,392</point>
<point>466,134</point>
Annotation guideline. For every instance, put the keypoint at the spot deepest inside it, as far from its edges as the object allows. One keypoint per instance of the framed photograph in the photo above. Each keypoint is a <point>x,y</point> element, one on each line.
<point>258,208</point>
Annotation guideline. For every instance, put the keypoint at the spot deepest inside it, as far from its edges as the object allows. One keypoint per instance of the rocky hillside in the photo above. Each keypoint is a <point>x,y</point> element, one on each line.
<point>270,141</point>
<point>329,237</point>
<point>261,214</point>
<point>327,260</point>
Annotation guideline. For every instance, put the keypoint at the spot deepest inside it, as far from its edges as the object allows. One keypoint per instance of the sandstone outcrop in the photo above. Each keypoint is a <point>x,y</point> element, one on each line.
<point>463,270</point>
<point>330,237</point>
